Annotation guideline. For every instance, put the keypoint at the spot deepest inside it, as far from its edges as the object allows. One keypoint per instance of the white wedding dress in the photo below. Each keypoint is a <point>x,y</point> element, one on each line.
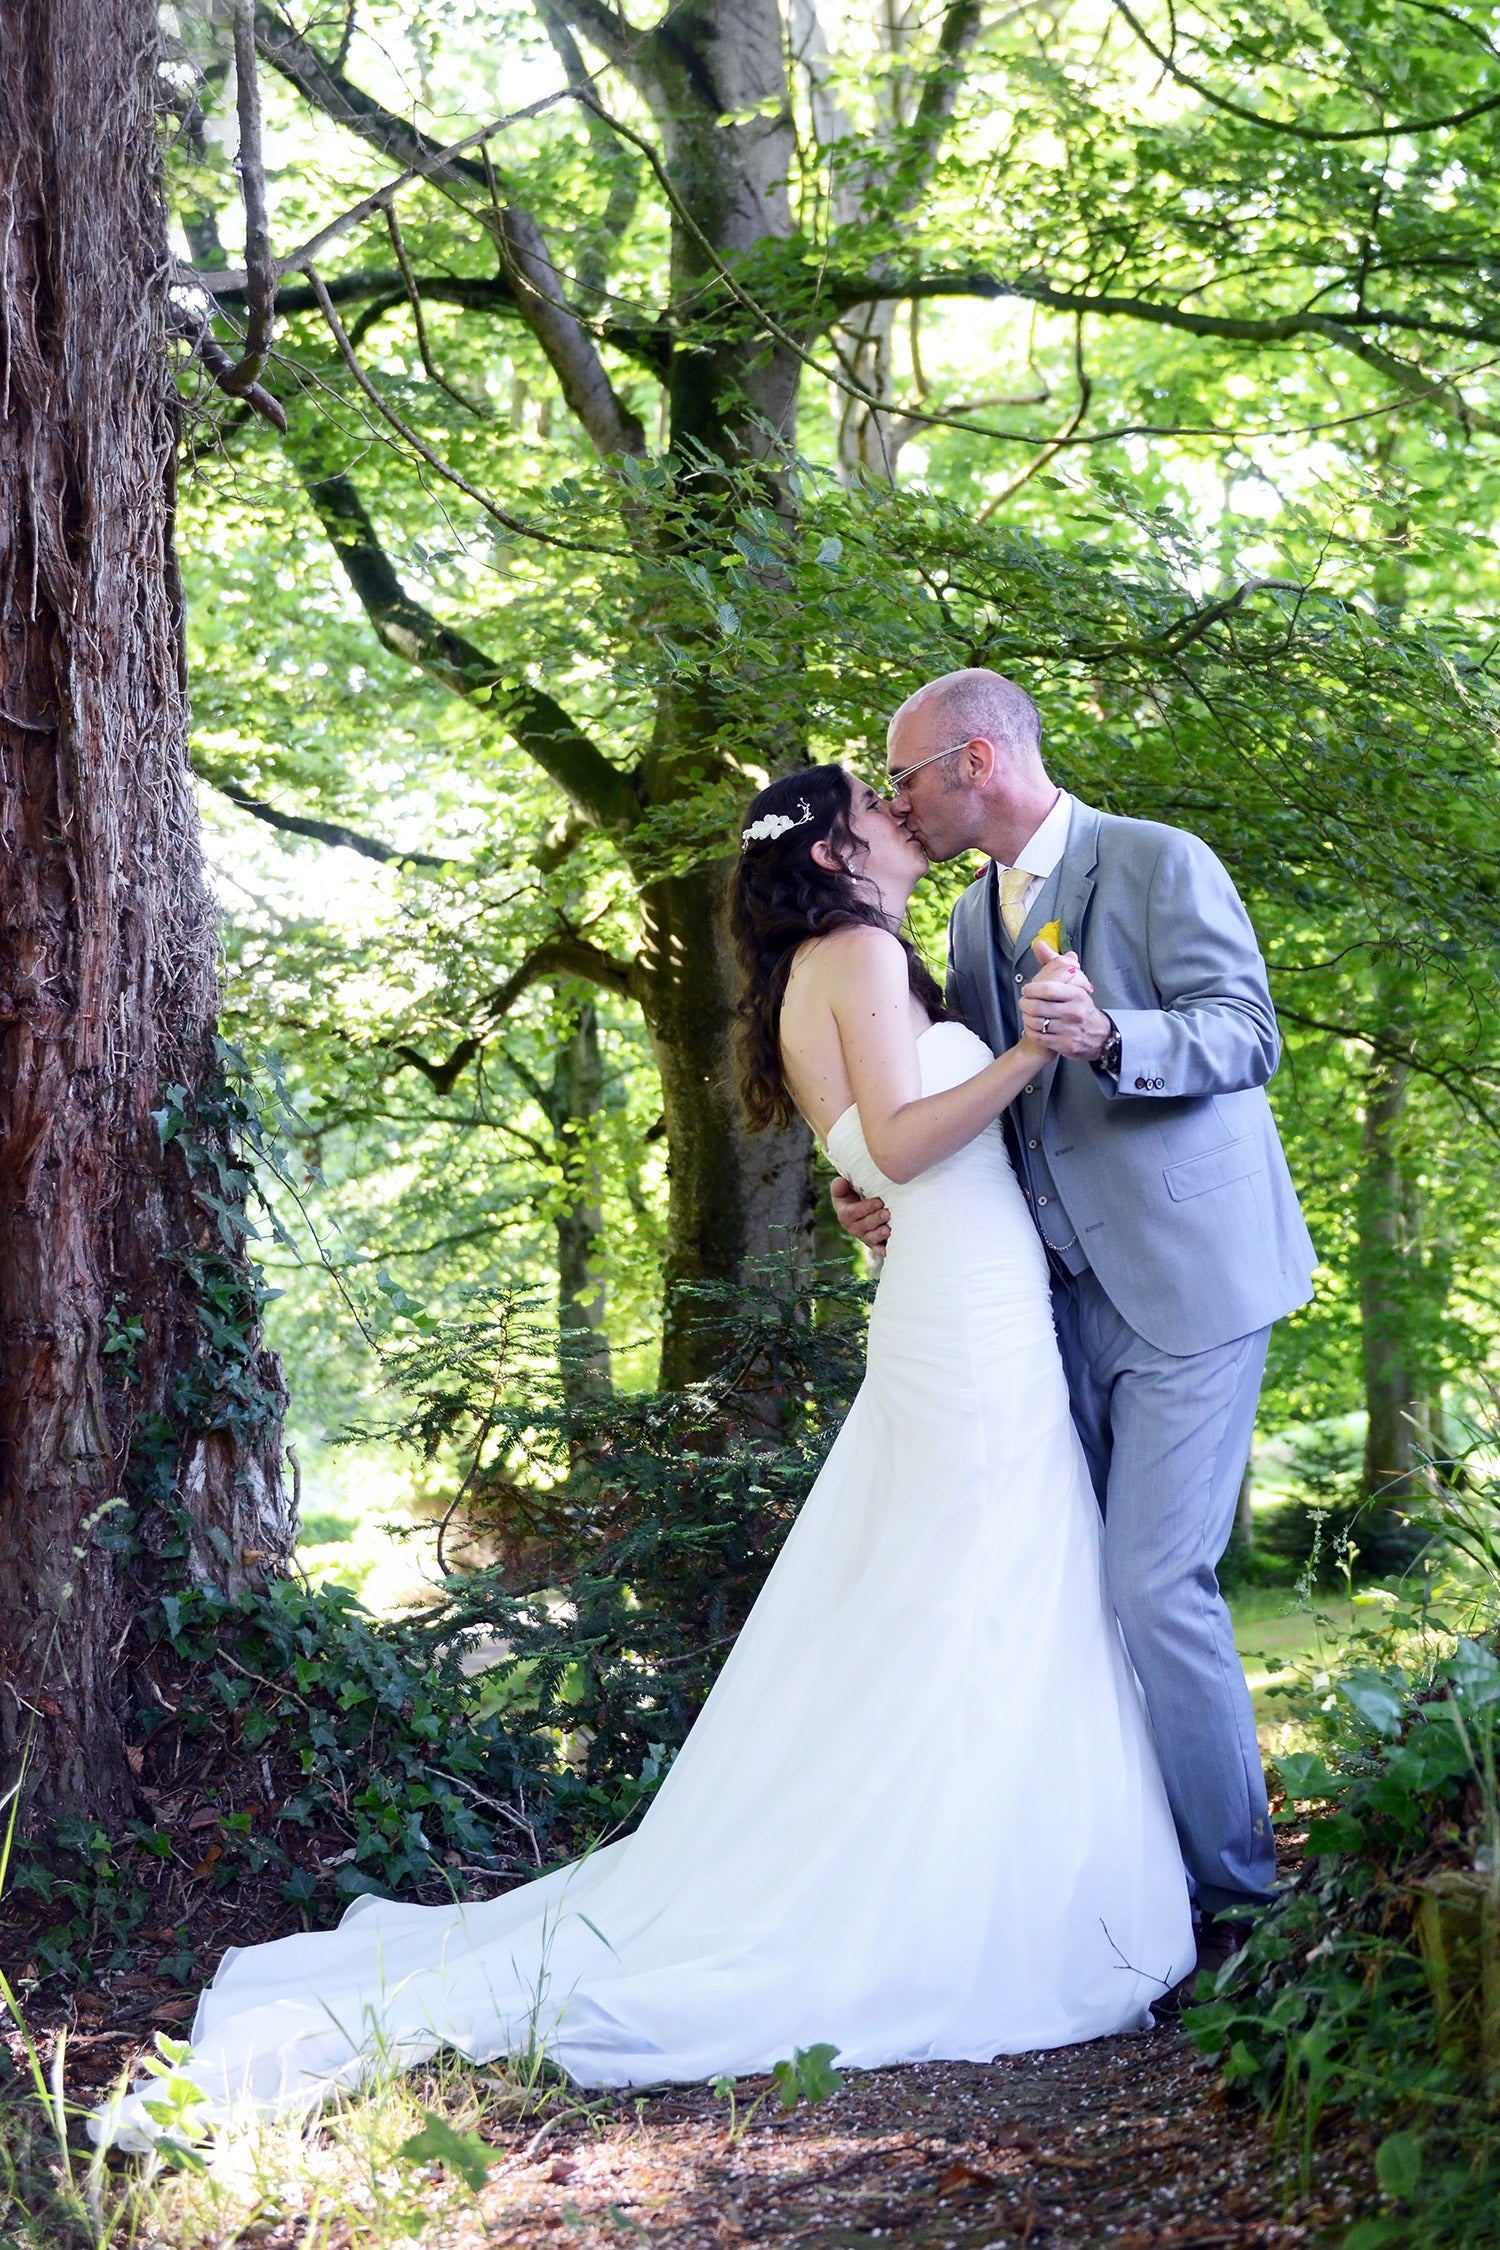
<point>920,1816</point>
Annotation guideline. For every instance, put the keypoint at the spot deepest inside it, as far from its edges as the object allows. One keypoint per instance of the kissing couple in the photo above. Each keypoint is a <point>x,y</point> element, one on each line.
<point>980,1773</point>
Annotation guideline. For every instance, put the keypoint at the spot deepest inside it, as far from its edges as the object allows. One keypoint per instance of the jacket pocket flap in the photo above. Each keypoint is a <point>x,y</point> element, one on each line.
<point>1215,1168</point>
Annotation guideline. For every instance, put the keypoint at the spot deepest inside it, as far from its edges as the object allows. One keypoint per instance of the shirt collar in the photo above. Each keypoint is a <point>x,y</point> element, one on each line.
<point>1042,851</point>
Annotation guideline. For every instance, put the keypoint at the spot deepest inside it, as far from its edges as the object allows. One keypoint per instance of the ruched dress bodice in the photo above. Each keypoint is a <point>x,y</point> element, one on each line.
<point>964,1267</point>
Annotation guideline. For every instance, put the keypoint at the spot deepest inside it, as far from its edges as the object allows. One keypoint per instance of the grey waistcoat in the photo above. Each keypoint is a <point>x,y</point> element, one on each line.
<point>1171,1173</point>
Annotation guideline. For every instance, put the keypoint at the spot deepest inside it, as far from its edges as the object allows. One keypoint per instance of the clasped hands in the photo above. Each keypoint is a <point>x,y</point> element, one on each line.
<point>1060,997</point>
<point>1057,1008</point>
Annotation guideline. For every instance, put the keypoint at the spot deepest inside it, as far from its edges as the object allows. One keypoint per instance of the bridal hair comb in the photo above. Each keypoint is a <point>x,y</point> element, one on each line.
<point>773,824</point>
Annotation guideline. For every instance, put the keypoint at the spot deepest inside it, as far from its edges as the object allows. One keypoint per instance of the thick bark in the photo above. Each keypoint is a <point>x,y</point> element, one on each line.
<point>127,1442</point>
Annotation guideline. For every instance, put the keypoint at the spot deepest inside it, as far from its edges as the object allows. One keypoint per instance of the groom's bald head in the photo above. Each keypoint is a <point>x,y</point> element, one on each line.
<point>971,743</point>
<point>973,705</point>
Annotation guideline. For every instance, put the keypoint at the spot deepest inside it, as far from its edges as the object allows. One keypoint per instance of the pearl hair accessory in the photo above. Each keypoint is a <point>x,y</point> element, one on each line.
<point>774,824</point>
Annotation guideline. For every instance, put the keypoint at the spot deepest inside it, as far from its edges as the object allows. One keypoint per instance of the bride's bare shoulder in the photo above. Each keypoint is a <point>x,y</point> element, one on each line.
<point>857,950</point>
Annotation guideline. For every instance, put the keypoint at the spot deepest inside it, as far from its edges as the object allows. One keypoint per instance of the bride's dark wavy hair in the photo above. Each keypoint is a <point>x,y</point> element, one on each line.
<point>780,898</point>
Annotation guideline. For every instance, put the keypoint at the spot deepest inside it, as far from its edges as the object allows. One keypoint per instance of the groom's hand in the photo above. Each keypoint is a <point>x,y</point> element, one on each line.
<point>1057,1008</point>
<point>864,1216</point>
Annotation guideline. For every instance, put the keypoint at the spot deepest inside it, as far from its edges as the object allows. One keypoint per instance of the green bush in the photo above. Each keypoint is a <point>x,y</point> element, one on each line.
<point>325,1753</point>
<point>1329,1529</point>
<point>1329,2007</point>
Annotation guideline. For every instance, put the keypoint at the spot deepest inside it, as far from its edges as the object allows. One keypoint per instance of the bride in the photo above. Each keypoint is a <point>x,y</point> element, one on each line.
<point>920,1816</point>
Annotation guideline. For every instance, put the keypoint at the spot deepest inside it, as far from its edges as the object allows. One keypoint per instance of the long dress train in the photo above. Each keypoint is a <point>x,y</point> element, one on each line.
<point>920,1815</point>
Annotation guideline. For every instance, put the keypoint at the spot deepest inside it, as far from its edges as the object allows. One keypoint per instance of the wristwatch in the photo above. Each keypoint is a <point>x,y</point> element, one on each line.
<point>1108,1057</point>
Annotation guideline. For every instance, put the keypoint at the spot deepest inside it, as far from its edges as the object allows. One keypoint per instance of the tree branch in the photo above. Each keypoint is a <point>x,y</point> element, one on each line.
<point>260,267</point>
<point>325,831</point>
<point>419,318</point>
<point>564,955</point>
<point>1274,328</point>
<point>1289,125</point>
<point>597,790</point>
<point>961,24</point>
<point>422,449</point>
<point>618,41</point>
<point>471,292</point>
<point>1458,1083</point>
<point>609,424</point>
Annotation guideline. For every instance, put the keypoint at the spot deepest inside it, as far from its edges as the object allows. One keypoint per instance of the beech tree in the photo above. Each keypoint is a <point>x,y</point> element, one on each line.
<point>1226,229</point>
<point>139,1417</point>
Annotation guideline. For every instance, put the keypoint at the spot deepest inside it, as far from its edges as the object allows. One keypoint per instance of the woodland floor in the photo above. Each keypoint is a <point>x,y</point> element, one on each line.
<point>1125,2142</point>
<point>1129,2143</point>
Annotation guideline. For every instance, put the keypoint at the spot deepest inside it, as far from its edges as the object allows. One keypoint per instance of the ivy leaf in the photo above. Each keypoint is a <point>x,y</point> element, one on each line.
<point>438,2142</point>
<point>1240,2062</point>
<point>1475,1673</point>
<point>1305,1777</point>
<point>1338,1834</point>
<point>1375,1697</point>
<point>1398,2164</point>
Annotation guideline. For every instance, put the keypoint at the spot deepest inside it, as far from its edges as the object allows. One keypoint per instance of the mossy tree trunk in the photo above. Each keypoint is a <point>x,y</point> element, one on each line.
<point>131,1445</point>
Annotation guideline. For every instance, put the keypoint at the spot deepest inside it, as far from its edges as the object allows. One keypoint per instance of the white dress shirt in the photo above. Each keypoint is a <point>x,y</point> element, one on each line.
<point>1042,851</point>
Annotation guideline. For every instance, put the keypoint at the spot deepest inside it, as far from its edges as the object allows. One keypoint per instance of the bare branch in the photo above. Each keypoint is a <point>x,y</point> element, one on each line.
<point>607,421</point>
<point>325,831</point>
<point>260,268</point>
<point>603,28</point>
<point>414,299</point>
<point>205,346</point>
<point>419,446</point>
<point>479,292</point>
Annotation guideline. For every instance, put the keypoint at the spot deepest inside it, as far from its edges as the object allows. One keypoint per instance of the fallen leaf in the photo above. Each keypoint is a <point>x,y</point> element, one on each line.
<point>207,1816</point>
<point>135,1758</point>
<point>205,1864</point>
<point>175,2011</point>
<point>964,2176</point>
<point>562,2170</point>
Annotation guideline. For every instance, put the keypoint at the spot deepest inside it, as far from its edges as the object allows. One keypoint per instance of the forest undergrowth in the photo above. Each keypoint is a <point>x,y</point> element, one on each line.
<point>292,1752</point>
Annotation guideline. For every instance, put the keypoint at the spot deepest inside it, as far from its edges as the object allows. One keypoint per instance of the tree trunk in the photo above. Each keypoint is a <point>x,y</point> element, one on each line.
<point>574,1100</point>
<point>1393,1385</point>
<point>733,1196</point>
<point>130,1445</point>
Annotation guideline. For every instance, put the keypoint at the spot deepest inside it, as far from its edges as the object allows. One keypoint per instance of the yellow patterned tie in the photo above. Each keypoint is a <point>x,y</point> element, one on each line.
<point>1014,884</point>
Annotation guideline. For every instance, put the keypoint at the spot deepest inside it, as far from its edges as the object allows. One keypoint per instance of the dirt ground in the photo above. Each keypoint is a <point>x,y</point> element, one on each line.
<point>1126,2142</point>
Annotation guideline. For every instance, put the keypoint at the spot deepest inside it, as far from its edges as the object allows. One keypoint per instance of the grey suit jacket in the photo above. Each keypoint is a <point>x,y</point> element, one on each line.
<point>1172,1172</point>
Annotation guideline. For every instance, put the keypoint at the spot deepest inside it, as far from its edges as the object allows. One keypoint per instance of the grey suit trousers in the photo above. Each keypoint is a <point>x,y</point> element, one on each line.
<point>1167,1439</point>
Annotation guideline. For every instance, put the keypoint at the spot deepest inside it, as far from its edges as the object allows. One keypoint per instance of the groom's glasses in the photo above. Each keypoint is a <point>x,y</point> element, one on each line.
<point>899,780</point>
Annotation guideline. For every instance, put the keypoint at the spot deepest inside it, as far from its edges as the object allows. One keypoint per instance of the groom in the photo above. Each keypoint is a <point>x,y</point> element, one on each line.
<point>1149,1157</point>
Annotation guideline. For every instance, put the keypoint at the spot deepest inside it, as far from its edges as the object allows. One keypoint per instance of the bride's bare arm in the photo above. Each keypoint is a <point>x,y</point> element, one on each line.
<point>906,1130</point>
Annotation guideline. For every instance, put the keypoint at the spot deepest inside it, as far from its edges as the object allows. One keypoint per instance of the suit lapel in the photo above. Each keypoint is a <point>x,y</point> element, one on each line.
<point>992,959</point>
<point>1075,885</point>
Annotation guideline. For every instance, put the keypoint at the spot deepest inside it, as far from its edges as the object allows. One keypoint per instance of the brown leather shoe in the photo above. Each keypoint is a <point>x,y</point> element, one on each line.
<point>1218,1942</point>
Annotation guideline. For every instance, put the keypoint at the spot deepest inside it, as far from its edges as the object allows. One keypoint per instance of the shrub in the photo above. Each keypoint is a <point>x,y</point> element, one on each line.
<point>287,1737</point>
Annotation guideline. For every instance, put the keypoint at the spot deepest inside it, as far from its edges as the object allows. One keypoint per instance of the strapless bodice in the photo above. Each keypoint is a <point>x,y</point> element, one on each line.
<point>947,1054</point>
